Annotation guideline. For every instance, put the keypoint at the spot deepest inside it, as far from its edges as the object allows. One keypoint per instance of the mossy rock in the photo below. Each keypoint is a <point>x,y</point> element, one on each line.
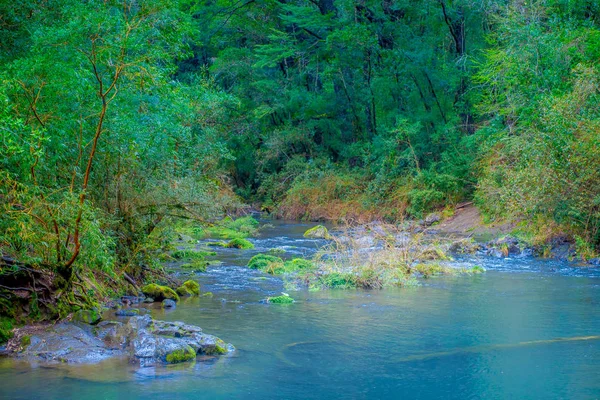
<point>283,299</point>
<point>240,244</point>
<point>91,317</point>
<point>159,293</point>
<point>196,265</point>
<point>181,355</point>
<point>217,244</point>
<point>317,232</point>
<point>262,261</point>
<point>189,288</point>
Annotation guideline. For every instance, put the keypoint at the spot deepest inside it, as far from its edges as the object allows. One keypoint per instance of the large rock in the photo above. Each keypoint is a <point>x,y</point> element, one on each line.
<point>146,341</point>
<point>317,232</point>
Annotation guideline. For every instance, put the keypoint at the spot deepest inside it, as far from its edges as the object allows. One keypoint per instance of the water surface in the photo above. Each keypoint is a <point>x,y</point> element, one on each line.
<point>495,335</point>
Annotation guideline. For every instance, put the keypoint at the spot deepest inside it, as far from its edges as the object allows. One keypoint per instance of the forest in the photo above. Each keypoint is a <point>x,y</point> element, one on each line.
<point>120,118</point>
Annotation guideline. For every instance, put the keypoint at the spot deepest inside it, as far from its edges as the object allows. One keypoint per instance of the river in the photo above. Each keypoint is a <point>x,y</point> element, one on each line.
<point>525,329</point>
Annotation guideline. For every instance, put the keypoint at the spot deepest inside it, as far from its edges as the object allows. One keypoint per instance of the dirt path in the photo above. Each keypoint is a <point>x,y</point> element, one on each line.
<point>467,221</point>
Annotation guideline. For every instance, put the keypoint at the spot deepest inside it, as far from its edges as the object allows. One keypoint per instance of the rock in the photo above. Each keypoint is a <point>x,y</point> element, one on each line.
<point>189,288</point>
<point>365,242</point>
<point>160,293</point>
<point>147,342</point>
<point>167,303</point>
<point>148,300</point>
<point>67,342</point>
<point>465,246</point>
<point>131,300</point>
<point>595,262</point>
<point>91,317</point>
<point>317,232</point>
<point>432,219</point>
<point>128,312</point>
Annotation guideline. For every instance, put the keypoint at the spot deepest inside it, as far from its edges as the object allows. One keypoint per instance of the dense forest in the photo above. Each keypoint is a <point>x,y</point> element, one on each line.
<point>118,117</point>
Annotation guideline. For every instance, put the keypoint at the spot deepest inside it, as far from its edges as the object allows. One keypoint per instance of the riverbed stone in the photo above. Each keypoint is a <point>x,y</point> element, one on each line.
<point>169,303</point>
<point>91,317</point>
<point>127,312</point>
<point>147,342</point>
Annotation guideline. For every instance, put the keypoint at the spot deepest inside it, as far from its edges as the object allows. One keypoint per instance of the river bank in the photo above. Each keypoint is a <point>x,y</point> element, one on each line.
<point>370,256</point>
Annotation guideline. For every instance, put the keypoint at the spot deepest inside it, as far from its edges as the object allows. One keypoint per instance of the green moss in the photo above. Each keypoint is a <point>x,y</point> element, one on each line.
<point>181,355</point>
<point>6,327</point>
<point>196,265</point>
<point>275,265</point>
<point>262,261</point>
<point>91,317</point>
<point>317,232</point>
<point>283,299</point>
<point>207,294</point>
<point>219,349</point>
<point>25,341</point>
<point>159,293</point>
<point>189,288</point>
<point>240,244</point>
<point>298,264</point>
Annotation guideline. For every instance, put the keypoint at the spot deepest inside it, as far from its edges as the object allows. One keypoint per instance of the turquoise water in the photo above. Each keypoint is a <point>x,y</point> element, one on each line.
<point>485,336</point>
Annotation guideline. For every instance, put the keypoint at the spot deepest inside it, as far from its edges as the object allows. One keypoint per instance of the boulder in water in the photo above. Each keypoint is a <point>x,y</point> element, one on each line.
<point>317,232</point>
<point>146,341</point>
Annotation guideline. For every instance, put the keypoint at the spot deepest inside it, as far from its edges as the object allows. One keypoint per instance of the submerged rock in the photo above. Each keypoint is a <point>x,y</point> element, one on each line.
<point>145,341</point>
<point>168,303</point>
<point>91,317</point>
<point>127,312</point>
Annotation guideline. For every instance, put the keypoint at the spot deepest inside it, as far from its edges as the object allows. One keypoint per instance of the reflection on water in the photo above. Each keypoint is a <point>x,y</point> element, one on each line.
<point>486,336</point>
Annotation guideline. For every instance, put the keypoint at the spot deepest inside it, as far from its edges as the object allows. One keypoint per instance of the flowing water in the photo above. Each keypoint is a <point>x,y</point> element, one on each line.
<point>526,329</point>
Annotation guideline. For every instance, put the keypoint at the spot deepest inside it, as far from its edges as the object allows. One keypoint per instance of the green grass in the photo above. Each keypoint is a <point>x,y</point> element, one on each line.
<point>275,265</point>
<point>240,244</point>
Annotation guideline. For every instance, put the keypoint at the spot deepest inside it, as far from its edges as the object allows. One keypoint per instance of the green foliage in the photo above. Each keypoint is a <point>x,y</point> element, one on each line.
<point>263,261</point>
<point>240,244</point>
<point>275,265</point>
<point>338,280</point>
<point>191,254</point>
<point>6,327</point>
